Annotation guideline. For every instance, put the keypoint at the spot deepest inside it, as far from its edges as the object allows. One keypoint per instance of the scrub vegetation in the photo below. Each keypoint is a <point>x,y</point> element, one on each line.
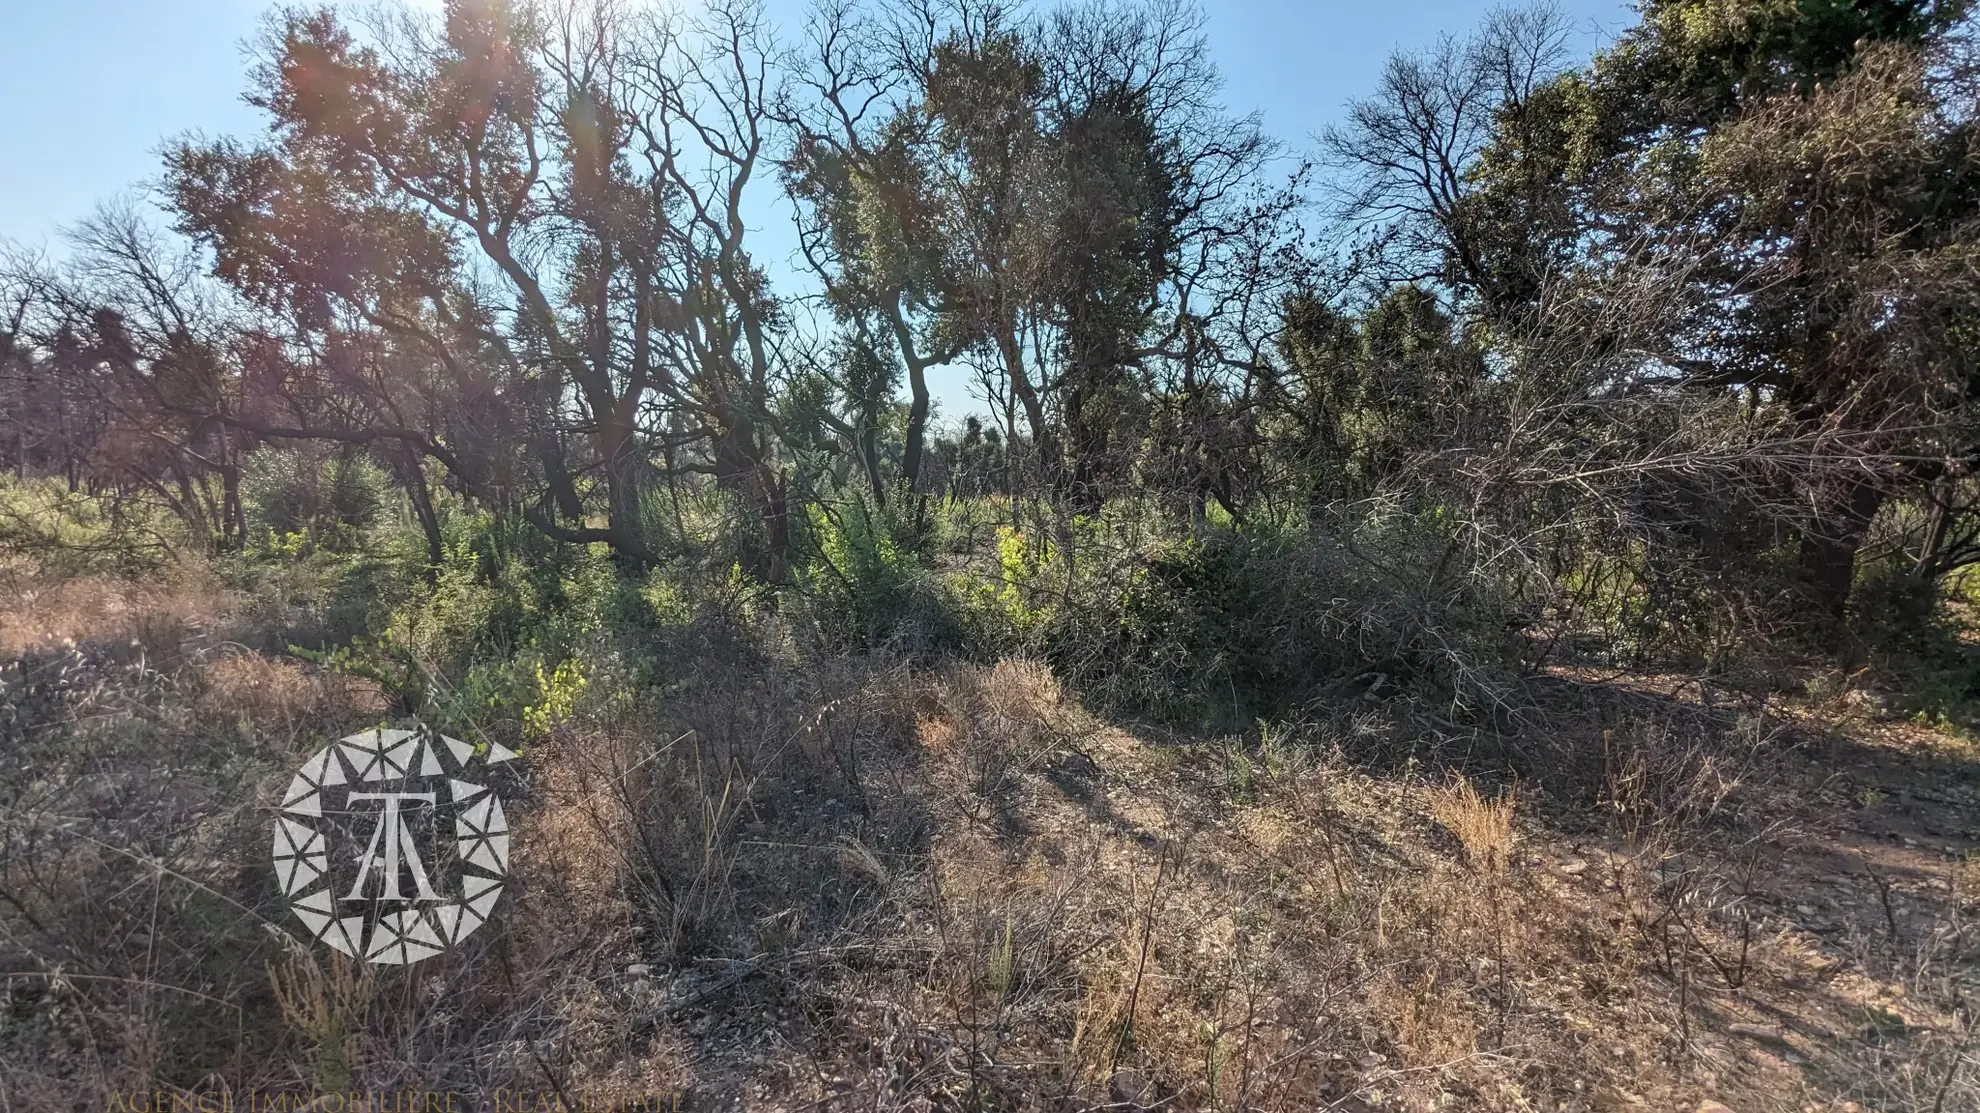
<point>1476,615</point>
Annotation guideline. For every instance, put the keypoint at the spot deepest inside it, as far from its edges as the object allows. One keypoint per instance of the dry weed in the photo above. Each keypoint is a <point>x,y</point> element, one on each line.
<point>1484,827</point>
<point>1433,1025</point>
<point>842,884</point>
<point>268,697</point>
<point>158,614</point>
<point>326,1007</point>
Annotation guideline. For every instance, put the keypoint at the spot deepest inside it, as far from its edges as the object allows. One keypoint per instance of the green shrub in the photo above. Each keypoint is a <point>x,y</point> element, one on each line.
<point>1223,628</point>
<point>329,497</point>
<point>866,586</point>
<point>49,530</point>
<point>1006,609</point>
<point>1920,644</point>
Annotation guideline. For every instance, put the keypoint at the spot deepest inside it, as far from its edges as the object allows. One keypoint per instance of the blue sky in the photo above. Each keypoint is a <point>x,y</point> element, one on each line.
<point>91,88</point>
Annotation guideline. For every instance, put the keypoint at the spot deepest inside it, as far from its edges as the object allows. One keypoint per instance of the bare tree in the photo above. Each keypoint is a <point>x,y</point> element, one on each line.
<point>1406,154</point>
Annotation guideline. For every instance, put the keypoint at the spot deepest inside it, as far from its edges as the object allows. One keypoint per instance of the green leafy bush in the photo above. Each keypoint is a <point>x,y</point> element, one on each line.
<point>1224,627</point>
<point>50,530</point>
<point>868,587</point>
<point>331,498</point>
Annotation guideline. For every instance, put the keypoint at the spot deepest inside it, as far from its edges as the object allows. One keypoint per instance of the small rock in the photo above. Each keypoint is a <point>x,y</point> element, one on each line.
<point>1710,1106</point>
<point>1573,866</point>
<point>1131,1087</point>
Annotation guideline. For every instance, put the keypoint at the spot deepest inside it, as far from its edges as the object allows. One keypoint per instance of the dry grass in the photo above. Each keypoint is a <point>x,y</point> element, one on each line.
<point>182,602</point>
<point>282,696</point>
<point>844,883</point>
<point>1484,827</point>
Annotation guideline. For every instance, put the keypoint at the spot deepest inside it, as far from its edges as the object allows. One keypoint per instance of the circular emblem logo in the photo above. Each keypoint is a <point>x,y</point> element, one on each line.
<point>391,845</point>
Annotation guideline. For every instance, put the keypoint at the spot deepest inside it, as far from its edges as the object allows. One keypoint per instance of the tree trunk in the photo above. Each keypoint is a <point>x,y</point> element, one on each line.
<point>618,448</point>
<point>413,479</point>
<point>1034,410</point>
<point>233,529</point>
<point>1084,446</point>
<point>774,507</point>
<point>917,425</point>
<point>563,492</point>
<point>869,457</point>
<point>741,465</point>
<point>1926,567</point>
<point>1829,548</point>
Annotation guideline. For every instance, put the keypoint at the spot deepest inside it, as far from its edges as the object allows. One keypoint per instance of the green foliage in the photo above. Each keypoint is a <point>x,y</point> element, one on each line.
<point>1142,519</point>
<point>1005,608</point>
<point>1922,645</point>
<point>299,495</point>
<point>385,660</point>
<point>1694,61</point>
<point>1694,597</point>
<point>867,584</point>
<point>1369,390</point>
<point>1224,626</point>
<point>1018,567</point>
<point>558,692</point>
<point>61,533</point>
